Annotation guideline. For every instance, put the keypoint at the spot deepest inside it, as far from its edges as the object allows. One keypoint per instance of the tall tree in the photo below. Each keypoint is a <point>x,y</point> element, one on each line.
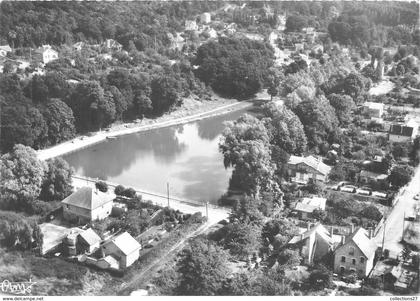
<point>285,129</point>
<point>21,178</point>
<point>343,105</point>
<point>57,183</point>
<point>60,121</point>
<point>245,146</point>
<point>202,268</point>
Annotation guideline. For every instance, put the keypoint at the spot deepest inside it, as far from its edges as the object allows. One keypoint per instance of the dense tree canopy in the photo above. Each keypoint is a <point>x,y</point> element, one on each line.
<point>22,175</point>
<point>319,120</point>
<point>202,269</point>
<point>234,67</point>
<point>56,185</point>
<point>245,146</point>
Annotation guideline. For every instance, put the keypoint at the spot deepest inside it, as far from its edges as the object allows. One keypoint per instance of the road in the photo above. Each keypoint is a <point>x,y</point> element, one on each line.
<point>395,220</point>
<point>215,213</point>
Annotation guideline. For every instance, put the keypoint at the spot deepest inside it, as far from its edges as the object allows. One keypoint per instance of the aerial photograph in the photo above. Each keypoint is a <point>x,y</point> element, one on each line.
<point>209,148</point>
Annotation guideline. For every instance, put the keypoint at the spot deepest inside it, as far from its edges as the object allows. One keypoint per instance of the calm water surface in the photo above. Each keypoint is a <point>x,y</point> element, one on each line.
<point>186,156</point>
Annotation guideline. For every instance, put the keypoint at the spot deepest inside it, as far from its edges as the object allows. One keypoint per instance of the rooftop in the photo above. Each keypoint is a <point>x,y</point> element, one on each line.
<point>88,198</point>
<point>363,242</point>
<point>310,204</point>
<point>311,161</point>
<point>126,243</point>
<point>90,236</point>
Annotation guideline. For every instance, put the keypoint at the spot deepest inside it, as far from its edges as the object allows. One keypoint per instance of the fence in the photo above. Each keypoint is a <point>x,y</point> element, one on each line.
<point>153,194</point>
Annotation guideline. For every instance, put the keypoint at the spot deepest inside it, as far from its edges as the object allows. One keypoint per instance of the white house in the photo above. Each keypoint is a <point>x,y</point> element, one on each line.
<point>191,25</point>
<point>205,18</point>
<point>355,254</point>
<point>112,44</point>
<point>301,169</point>
<point>403,132</point>
<point>306,206</point>
<point>87,204</point>
<point>45,54</point>
<point>4,49</point>
<point>313,244</point>
<point>78,46</point>
<point>373,109</point>
<point>124,248</point>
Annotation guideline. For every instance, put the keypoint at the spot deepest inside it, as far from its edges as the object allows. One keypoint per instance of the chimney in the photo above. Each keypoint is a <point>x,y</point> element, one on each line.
<point>308,226</point>
<point>370,233</point>
<point>331,231</point>
<point>351,228</point>
<point>343,239</point>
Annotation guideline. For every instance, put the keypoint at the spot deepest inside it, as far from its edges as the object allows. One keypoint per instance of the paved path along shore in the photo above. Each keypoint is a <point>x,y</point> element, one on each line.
<point>85,141</point>
<point>215,213</point>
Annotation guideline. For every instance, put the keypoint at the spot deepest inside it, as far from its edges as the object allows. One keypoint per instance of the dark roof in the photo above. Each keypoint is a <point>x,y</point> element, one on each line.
<point>366,245</point>
<point>401,130</point>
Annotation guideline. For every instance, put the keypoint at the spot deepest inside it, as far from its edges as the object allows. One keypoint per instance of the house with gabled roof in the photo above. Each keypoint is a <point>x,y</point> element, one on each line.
<point>45,54</point>
<point>306,206</point>
<point>88,241</point>
<point>87,204</point>
<point>4,49</point>
<point>123,248</point>
<point>112,44</point>
<point>403,132</point>
<point>302,169</point>
<point>355,254</point>
<point>313,244</point>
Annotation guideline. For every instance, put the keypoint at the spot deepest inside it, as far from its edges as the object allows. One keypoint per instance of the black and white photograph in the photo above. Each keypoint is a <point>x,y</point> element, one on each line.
<point>209,148</point>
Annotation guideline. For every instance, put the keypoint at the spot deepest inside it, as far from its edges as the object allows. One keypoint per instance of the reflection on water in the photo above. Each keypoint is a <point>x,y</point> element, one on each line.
<point>186,156</point>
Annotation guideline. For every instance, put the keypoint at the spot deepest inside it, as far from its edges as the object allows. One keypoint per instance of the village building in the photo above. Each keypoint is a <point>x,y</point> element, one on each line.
<point>45,54</point>
<point>112,44</point>
<point>205,18</point>
<point>355,254</point>
<point>403,132</point>
<point>211,33</point>
<point>88,241</point>
<point>318,48</point>
<point>313,244</point>
<point>87,204</point>
<point>78,46</point>
<point>123,248</point>
<point>306,206</point>
<point>299,46</point>
<point>4,50</point>
<point>191,25</point>
<point>373,109</point>
<point>302,169</point>
<point>370,177</point>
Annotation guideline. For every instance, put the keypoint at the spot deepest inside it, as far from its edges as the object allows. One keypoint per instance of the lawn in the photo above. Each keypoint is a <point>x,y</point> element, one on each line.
<point>53,276</point>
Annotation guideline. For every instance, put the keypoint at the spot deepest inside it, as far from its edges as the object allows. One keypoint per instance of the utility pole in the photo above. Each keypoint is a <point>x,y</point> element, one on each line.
<point>383,240</point>
<point>402,235</point>
<point>167,189</point>
<point>207,211</point>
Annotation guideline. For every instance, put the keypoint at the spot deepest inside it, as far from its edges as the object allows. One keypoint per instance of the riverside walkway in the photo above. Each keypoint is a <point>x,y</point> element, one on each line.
<point>213,212</point>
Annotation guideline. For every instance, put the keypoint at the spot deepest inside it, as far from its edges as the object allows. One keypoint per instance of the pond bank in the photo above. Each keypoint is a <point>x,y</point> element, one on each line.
<point>182,116</point>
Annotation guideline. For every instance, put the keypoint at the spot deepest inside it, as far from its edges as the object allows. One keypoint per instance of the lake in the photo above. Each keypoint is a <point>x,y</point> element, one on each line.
<point>186,156</point>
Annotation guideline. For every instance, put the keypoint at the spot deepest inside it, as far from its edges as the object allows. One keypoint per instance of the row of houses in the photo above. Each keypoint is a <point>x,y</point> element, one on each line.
<point>397,132</point>
<point>115,251</point>
<point>352,253</point>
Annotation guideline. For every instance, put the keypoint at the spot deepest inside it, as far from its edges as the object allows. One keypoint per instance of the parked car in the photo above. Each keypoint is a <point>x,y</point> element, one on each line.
<point>379,194</point>
<point>363,191</point>
<point>339,185</point>
<point>348,188</point>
